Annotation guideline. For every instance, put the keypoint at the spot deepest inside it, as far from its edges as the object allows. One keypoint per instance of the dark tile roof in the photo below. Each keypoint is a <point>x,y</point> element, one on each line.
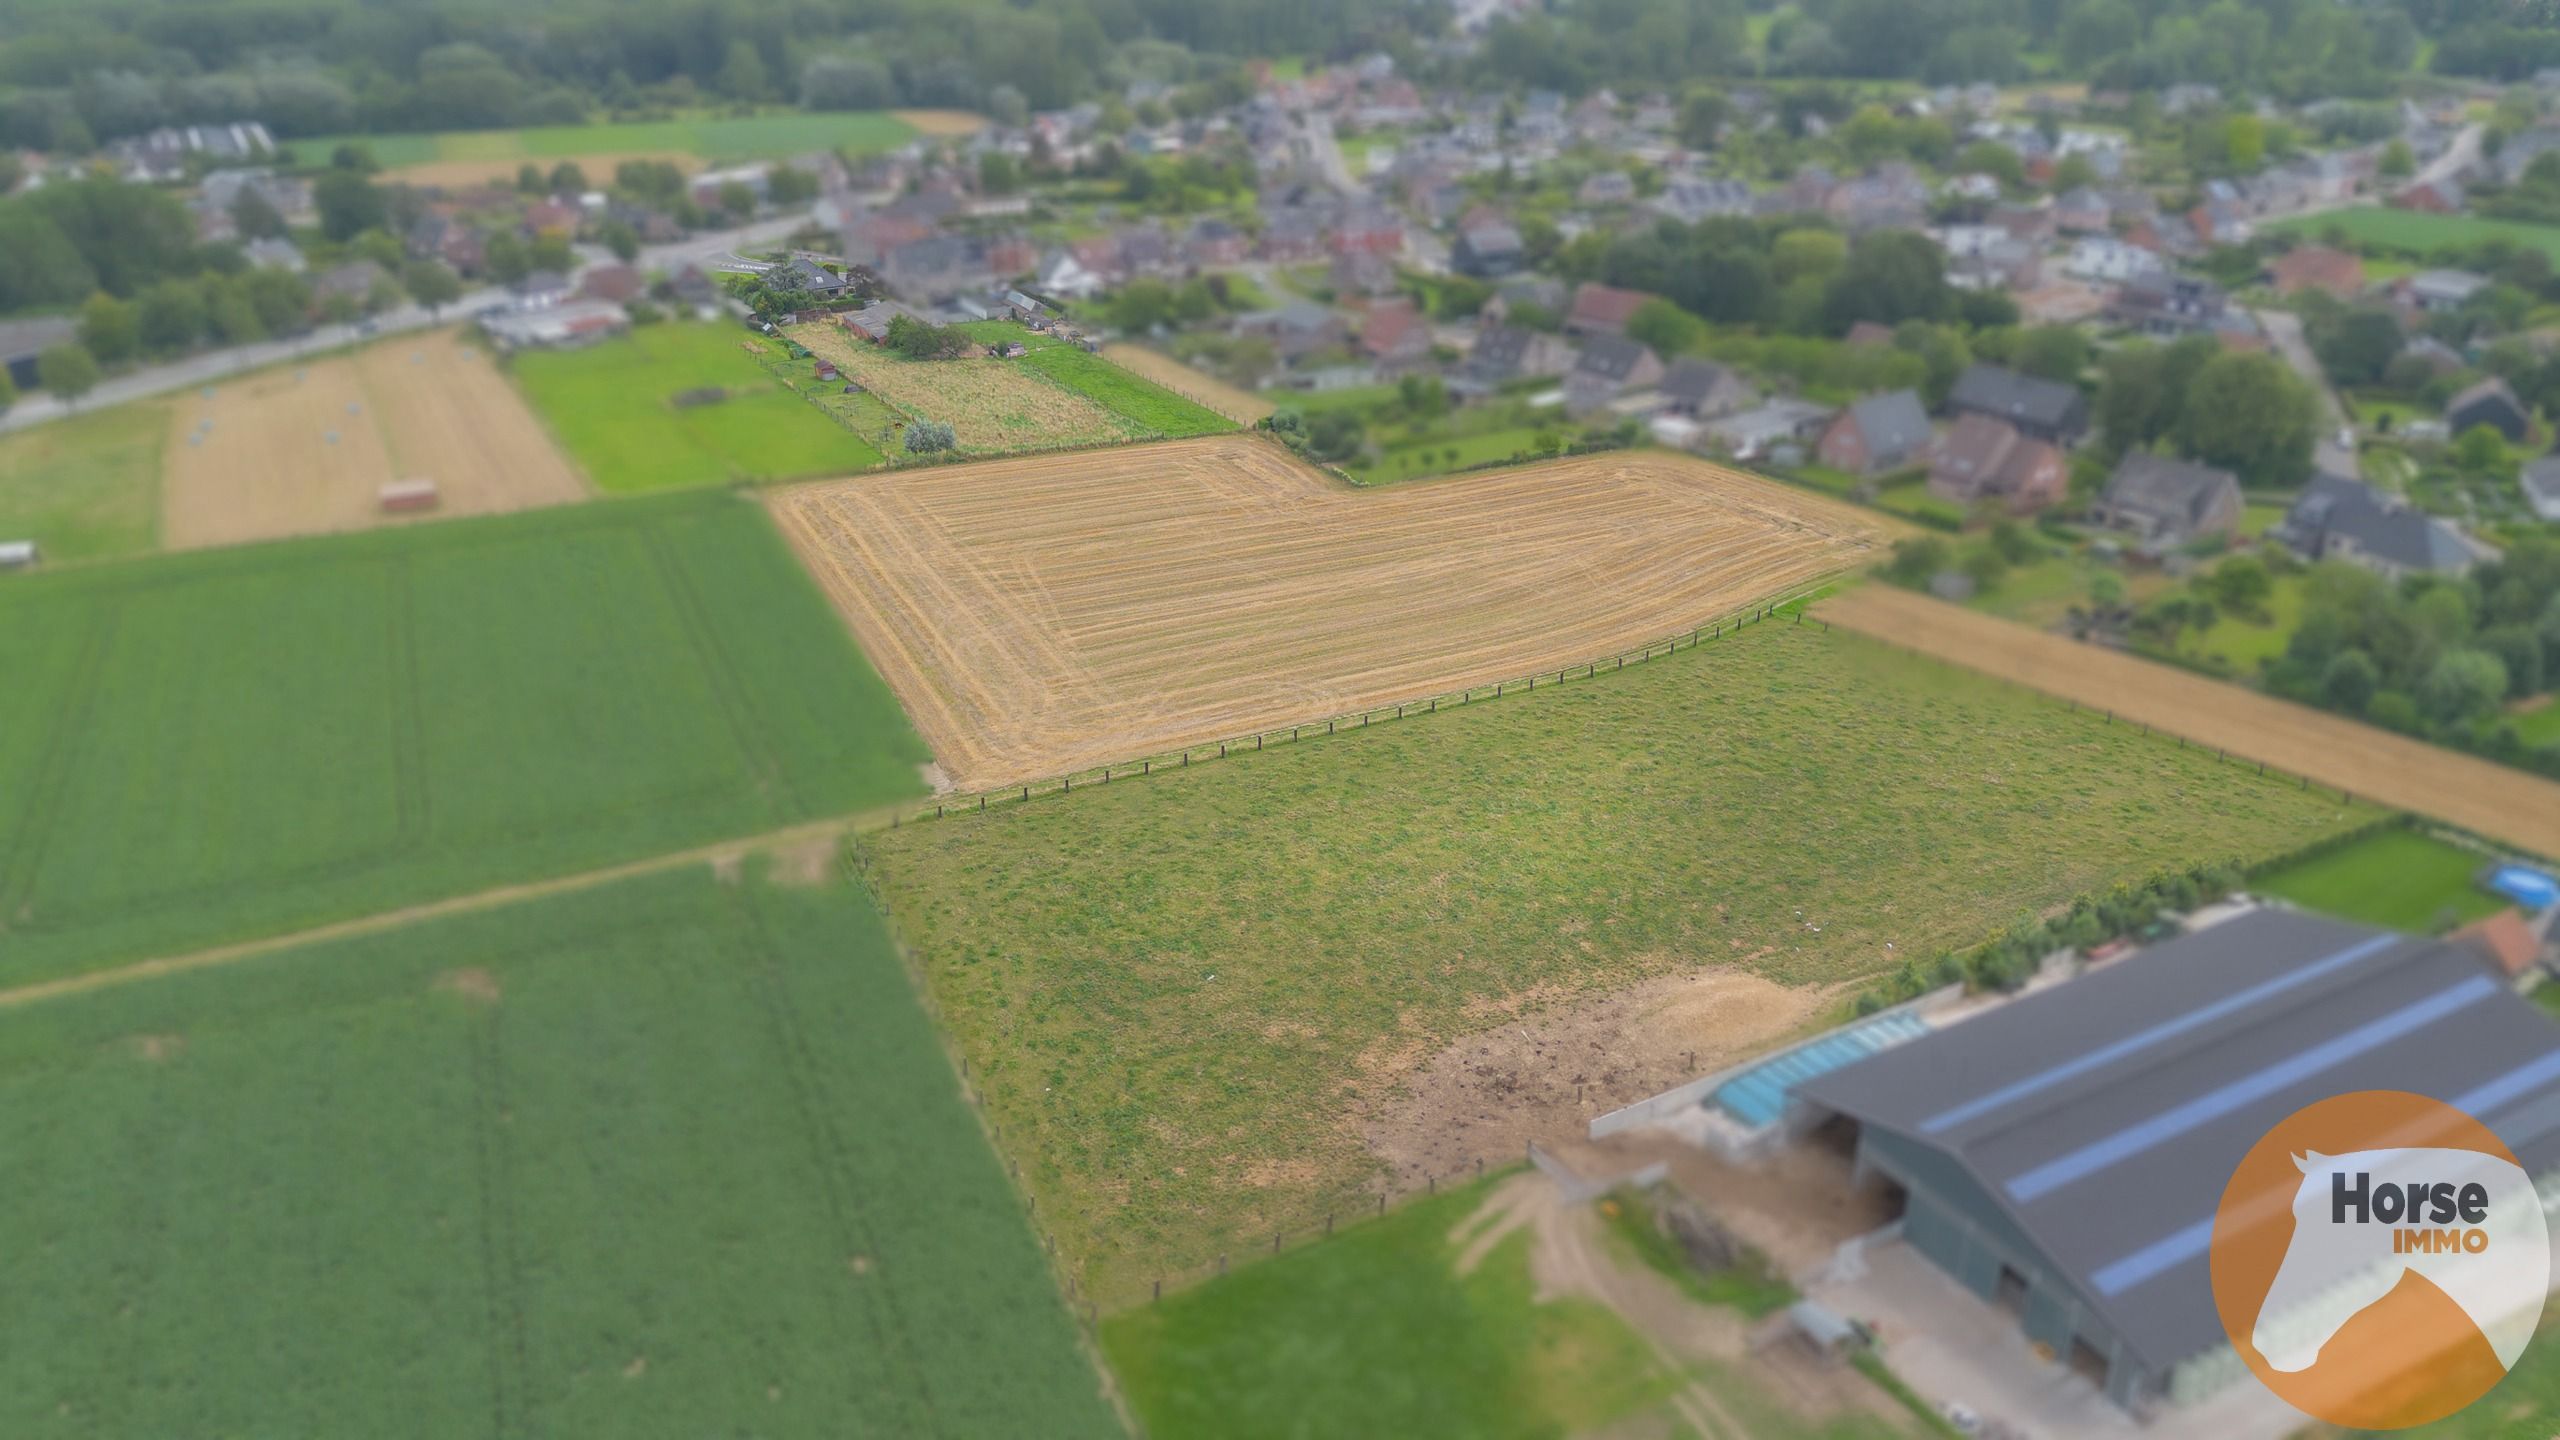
<point>2158,486</point>
<point>1894,423</point>
<point>2018,399</point>
<point>2380,525</point>
<point>1690,381</point>
<point>1611,357</point>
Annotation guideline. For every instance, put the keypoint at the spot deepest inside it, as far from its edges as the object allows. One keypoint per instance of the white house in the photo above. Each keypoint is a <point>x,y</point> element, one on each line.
<point>2108,259</point>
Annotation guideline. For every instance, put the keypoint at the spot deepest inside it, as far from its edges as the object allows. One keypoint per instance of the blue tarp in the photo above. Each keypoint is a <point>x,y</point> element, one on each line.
<point>1758,1096</point>
<point>2528,887</point>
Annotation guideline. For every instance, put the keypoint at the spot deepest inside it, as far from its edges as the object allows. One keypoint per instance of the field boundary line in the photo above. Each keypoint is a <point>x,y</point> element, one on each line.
<point>213,957</point>
<point>2498,802</point>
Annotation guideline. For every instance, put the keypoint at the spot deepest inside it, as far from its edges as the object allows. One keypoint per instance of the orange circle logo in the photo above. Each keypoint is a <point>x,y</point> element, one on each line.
<point>2380,1260</point>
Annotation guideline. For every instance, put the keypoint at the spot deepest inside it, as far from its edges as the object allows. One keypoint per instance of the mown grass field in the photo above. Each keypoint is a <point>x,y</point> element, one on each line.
<point>1141,402</point>
<point>671,1158</point>
<point>611,407</point>
<point>1181,992</point>
<point>2417,232</point>
<point>2402,879</point>
<point>239,742</point>
<point>713,138</point>
<point>87,487</point>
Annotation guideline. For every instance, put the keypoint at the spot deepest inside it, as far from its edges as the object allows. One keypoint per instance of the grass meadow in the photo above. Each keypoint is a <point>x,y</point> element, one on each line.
<point>2403,879</point>
<point>2416,232</point>
<point>711,138</point>
<point>87,487</point>
<point>1143,403</point>
<point>1179,993</point>
<point>610,406</point>
<point>205,747</point>
<point>669,1158</point>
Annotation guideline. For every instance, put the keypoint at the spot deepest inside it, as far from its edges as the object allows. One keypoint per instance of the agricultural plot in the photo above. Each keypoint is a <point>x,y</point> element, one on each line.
<point>1040,616</point>
<point>993,406</point>
<point>467,156</point>
<point>2417,232</point>
<point>2485,798</point>
<point>1149,407</point>
<point>85,488</point>
<point>206,747</point>
<point>678,405</point>
<point>1197,1000</point>
<point>1242,406</point>
<point>306,449</point>
<point>671,1158</point>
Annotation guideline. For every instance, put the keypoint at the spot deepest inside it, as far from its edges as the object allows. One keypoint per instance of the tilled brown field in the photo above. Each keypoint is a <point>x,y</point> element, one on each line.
<point>2367,762</point>
<point>417,406</point>
<point>1044,615</point>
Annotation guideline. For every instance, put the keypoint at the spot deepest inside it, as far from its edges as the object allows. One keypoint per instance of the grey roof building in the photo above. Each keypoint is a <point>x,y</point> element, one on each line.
<point>2541,483</point>
<point>2336,518</point>
<point>2168,502</point>
<point>2064,1153</point>
<point>2046,410</point>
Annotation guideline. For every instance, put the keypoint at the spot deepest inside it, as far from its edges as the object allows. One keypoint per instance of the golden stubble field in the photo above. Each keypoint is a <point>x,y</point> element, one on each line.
<point>418,406</point>
<point>1044,615</point>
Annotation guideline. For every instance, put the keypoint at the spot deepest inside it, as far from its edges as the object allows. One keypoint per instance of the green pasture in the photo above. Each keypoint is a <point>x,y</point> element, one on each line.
<point>713,138</point>
<point>611,406</point>
<point>670,1158</point>
<point>1172,985</point>
<point>205,747</point>
<point>2397,878</point>
<point>2416,231</point>
<point>2540,725</point>
<point>86,487</point>
<point>1132,397</point>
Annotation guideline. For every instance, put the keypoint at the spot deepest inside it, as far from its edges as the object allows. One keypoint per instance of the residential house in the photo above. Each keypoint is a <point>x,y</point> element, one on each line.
<point>557,219</point>
<point>1064,275</point>
<point>536,291</point>
<point>2437,291</point>
<point>163,154</point>
<point>1703,389</point>
<point>2156,302</point>
<point>1880,433</point>
<point>2108,260</point>
<point>1029,311</point>
<point>2517,152</point>
<point>1292,235</point>
<point>354,282</point>
<point>274,253</point>
<point>2317,267</point>
<point>1214,243</point>
<point>1892,198</point>
<point>2046,410</point>
<point>1368,228</point>
<point>1505,353</point>
<point>1765,429</point>
<point>617,284</point>
<point>2439,358</point>
<point>2081,212</point>
<point>2336,518</point>
<point>1396,335</point>
<point>1690,199</point>
<point>695,290</point>
<point>2541,485</point>
<point>1602,309</point>
<point>1981,459</point>
<point>22,341</point>
<point>1487,249</point>
<point>1144,250</point>
<point>2488,403</point>
<point>1607,187</point>
<point>1358,272</point>
<point>2167,503</point>
<point>871,322</point>
<point>804,272</point>
<point>1610,366</point>
<point>1295,330</point>
<point>2431,197</point>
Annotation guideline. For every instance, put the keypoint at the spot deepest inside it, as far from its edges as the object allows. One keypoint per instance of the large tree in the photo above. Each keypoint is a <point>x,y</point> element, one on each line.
<point>2252,416</point>
<point>1890,276</point>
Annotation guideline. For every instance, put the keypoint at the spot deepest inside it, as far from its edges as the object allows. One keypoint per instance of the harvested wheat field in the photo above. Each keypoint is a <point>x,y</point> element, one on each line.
<point>1044,615</point>
<point>2367,762</point>
<point>304,449</point>
<point>1242,406</point>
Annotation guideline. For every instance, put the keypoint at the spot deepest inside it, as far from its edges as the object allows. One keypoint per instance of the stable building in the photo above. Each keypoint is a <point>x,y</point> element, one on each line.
<point>2061,1156</point>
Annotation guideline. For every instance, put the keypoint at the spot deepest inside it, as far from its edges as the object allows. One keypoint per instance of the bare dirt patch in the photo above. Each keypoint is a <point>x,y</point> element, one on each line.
<point>1544,1073</point>
<point>2366,762</point>
<point>1242,406</point>
<point>1044,615</point>
<point>472,983</point>
<point>305,449</point>
<point>157,1049</point>
<point>939,123</point>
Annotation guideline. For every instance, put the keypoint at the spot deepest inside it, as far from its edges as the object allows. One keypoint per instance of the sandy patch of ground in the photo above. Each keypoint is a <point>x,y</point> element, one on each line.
<point>1545,1072</point>
<point>472,983</point>
<point>1242,406</point>
<point>465,174</point>
<point>940,123</point>
<point>1047,615</point>
<point>304,449</point>
<point>2363,760</point>
<point>158,1049</point>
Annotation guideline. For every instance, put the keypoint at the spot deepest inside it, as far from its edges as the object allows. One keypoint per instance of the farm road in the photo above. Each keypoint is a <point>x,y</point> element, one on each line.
<point>791,846</point>
<point>2370,763</point>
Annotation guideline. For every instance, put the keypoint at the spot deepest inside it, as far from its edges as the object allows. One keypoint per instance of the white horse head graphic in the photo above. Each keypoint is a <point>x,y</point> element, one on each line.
<point>2333,1269</point>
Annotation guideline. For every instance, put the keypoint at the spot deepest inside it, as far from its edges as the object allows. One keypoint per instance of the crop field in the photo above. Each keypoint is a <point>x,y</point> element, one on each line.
<point>305,449</point>
<point>2482,797</point>
<point>613,408</point>
<point>993,406</point>
<point>670,1158</point>
<point>2420,233</point>
<point>86,487</point>
<point>198,748</point>
<point>1242,406</point>
<point>708,139</point>
<point>1191,997</point>
<point>1039,616</point>
<point>1146,405</point>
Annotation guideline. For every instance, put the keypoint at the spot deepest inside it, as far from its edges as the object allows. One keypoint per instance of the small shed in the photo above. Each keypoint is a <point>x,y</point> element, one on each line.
<point>18,555</point>
<point>415,493</point>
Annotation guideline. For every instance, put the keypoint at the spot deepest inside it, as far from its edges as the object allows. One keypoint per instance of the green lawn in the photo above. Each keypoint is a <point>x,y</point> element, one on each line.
<point>712,138</point>
<point>2539,726</point>
<point>1375,1333</point>
<point>88,487</point>
<point>2412,230</point>
<point>2244,643</point>
<point>2255,518</point>
<point>2523,1404</point>
<point>2398,878</point>
<point>1140,401</point>
<point>1912,498</point>
<point>671,1158</point>
<point>1173,985</point>
<point>610,406</point>
<point>203,747</point>
<point>1433,457</point>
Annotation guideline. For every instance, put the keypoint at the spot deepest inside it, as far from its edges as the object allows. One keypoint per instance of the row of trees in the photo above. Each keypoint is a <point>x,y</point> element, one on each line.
<point>2246,413</point>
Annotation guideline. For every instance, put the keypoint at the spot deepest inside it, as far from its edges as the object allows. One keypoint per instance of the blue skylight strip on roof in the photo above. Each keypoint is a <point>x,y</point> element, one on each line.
<point>2166,1030</point>
<point>2157,1258</point>
<point>2523,1080</point>
<point>2131,1141</point>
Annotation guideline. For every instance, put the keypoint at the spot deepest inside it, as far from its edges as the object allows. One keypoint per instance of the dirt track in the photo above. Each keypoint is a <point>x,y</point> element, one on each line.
<point>1242,406</point>
<point>2369,763</point>
<point>422,405</point>
<point>1044,615</point>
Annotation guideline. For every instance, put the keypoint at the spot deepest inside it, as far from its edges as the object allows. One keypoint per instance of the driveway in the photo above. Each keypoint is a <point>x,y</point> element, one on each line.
<point>2284,330</point>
